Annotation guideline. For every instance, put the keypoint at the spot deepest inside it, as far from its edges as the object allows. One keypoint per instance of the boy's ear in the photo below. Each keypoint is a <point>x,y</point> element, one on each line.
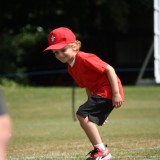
<point>75,48</point>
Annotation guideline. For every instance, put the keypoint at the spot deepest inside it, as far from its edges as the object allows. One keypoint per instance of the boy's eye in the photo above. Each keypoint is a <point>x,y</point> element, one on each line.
<point>63,50</point>
<point>54,52</point>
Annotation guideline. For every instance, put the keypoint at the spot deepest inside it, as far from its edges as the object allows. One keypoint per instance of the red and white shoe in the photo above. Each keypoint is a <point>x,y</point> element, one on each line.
<point>98,154</point>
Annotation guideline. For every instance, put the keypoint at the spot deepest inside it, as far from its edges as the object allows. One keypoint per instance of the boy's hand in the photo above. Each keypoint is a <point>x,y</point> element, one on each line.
<point>117,100</point>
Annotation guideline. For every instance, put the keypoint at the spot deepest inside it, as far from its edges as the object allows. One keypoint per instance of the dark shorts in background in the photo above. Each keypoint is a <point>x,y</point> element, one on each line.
<point>96,108</point>
<point>2,104</point>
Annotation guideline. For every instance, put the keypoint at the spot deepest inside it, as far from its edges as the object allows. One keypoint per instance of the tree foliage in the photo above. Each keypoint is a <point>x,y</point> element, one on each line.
<point>26,24</point>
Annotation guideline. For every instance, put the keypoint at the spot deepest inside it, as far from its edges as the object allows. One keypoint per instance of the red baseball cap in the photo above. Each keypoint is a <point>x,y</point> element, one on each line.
<point>59,38</point>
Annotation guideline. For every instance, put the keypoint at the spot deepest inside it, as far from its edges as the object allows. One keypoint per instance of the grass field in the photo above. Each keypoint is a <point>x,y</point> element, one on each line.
<point>43,126</point>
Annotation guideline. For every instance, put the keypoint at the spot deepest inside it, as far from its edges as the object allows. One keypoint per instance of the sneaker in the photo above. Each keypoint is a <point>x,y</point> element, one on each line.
<point>98,154</point>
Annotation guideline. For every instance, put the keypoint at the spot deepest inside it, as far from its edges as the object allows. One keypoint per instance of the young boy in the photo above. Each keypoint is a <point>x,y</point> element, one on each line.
<point>103,87</point>
<point>5,129</point>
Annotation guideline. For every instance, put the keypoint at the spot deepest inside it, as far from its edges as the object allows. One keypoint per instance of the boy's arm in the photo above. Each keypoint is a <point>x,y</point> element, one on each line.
<point>112,77</point>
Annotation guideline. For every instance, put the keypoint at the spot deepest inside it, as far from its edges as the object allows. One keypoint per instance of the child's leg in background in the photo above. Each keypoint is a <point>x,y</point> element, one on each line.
<point>5,135</point>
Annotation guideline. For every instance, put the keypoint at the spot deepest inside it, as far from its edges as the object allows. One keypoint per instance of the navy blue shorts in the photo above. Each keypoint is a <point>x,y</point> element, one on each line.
<point>2,104</point>
<point>96,108</point>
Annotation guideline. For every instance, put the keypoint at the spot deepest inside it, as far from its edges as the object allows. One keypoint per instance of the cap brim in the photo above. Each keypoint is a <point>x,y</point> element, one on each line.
<point>55,47</point>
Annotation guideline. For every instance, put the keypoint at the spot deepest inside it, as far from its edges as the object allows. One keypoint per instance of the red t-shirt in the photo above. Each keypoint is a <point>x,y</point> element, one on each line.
<point>88,72</point>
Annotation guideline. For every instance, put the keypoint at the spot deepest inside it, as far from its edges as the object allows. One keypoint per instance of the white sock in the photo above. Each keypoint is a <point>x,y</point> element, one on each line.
<point>100,146</point>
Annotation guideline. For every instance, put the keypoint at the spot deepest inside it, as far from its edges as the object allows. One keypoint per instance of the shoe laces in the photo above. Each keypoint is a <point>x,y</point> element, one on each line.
<point>95,150</point>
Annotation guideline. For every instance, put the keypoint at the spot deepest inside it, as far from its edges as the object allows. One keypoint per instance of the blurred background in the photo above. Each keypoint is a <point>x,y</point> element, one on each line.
<point>118,31</point>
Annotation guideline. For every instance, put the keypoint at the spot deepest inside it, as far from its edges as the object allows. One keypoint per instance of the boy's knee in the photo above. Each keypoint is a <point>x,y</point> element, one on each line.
<point>82,119</point>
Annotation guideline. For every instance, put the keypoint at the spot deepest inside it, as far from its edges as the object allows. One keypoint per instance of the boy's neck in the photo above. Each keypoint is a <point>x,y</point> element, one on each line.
<point>73,61</point>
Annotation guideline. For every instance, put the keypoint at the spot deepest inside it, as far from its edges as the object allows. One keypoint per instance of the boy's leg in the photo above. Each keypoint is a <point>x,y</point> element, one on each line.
<point>90,129</point>
<point>90,114</point>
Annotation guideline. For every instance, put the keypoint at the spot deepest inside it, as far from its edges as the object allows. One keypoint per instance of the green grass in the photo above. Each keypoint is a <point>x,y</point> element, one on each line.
<point>43,126</point>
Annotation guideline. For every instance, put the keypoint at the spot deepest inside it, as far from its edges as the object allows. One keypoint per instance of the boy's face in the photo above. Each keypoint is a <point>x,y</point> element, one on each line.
<point>65,55</point>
